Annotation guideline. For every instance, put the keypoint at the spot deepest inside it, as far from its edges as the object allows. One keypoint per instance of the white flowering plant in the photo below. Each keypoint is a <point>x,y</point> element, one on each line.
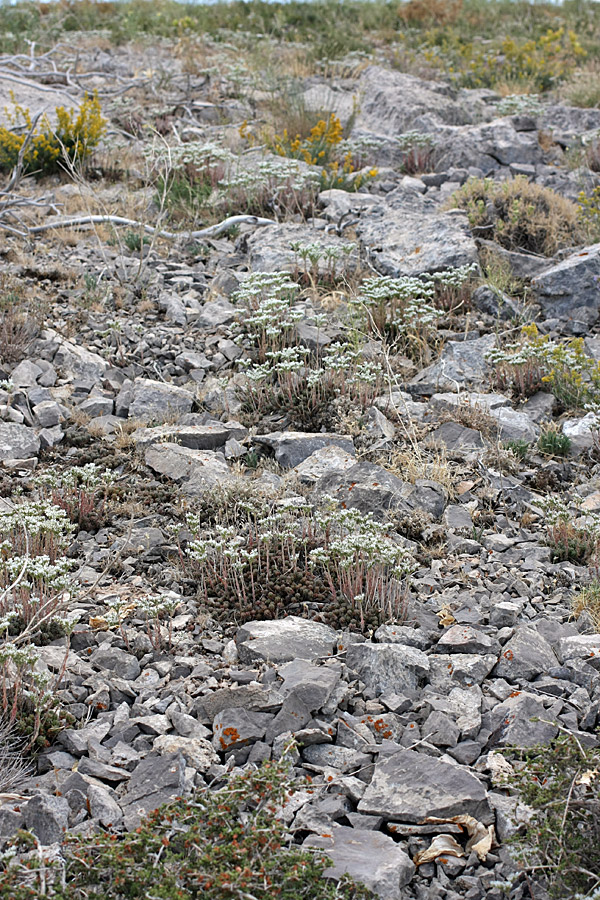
<point>353,558</point>
<point>80,490</point>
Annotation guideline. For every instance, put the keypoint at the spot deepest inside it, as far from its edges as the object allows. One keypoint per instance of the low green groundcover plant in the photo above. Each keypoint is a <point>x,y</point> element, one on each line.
<point>222,844</point>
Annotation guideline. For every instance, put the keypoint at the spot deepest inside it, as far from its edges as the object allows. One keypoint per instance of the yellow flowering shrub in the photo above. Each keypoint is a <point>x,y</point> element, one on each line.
<point>76,134</point>
<point>324,147</point>
<point>535,361</point>
<point>540,63</point>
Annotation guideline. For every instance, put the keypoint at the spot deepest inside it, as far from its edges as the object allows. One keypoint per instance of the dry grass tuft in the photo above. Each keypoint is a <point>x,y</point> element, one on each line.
<point>520,215</point>
<point>588,600</point>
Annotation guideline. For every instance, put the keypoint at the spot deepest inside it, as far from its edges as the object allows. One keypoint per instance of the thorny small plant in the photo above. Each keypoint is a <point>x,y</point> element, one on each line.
<point>560,843</point>
<point>226,842</point>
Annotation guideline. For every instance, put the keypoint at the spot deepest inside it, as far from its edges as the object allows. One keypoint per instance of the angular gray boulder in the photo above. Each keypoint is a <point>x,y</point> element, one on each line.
<point>283,640</point>
<point>370,857</point>
<point>388,667</point>
<point>570,289</point>
<point>18,441</point>
<point>410,787</point>
<point>408,235</point>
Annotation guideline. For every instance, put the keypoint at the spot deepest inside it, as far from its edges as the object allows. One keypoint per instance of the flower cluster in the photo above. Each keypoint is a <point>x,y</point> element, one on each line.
<point>353,558</point>
<point>519,104</point>
<point>76,134</point>
<point>535,361</point>
<point>325,147</point>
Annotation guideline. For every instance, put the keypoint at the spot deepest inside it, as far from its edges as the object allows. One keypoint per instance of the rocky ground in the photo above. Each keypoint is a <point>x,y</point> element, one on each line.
<point>135,366</point>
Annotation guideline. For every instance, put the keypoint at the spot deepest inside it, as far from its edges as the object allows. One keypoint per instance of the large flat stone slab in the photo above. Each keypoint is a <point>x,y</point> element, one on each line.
<point>410,786</point>
<point>408,235</point>
<point>283,640</point>
<point>370,857</point>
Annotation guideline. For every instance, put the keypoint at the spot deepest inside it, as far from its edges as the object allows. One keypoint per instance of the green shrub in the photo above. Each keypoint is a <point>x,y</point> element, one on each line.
<point>224,844</point>
<point>560,845</point>
<point>520,215</point>
<point>520,448</point>
<point>552,442</point>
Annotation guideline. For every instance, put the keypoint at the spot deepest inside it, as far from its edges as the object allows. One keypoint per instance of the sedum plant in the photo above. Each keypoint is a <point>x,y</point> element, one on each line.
<point>335,565</point>
<point>571,536</point>
<point>34,583</point>
<point>79,490</point>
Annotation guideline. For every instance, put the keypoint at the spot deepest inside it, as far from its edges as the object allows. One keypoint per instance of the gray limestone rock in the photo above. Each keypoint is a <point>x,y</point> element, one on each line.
<point>410,787</point>
<point>18,441</point>
<point>456,437</point>
<point>466,639</point>
<point>394,102</point>
<point>47,817</point>
<point>521,721</point>
<point>339,203</point>
<point>235,728</point>
<point>194,437</point>
<point>292,717</point>
<point>10,822</point>
<point>366,487</point>
<point>103,806</point>
<point>570,284</point>
<point>197,752</point>
<point>346,759</point>
<point>123,664</point>
<point>370,857</point>
<point>526,655</point>
<point>514,425</point>
<point>325,461</point>
<point>312,684</point>
<point>155,400</point>
<point>408,235</point>
<point>487,146</point>
<point>76,362</point>
<point>459,669</point>
<point>256,697</point>
<point>440,730</point>
<point>154,781</point>
<point>215,314</point>
<point>461,363</point>
<point>196,470</point>
<point>584,646</point>
<point>25,374</point>
<point>388,667</point>
<point>48,413</point>
<point>293,447</point>
<point>284,640</point>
